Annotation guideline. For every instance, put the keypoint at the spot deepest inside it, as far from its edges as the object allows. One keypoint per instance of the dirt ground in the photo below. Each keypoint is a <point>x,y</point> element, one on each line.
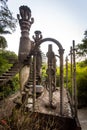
<point>7,105</point>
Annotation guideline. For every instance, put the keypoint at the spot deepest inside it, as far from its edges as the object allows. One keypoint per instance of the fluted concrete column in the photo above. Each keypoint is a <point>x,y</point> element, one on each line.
<point>25,22</point>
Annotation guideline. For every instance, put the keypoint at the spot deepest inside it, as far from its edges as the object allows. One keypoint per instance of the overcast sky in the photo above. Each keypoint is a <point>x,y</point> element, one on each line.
<point>64,20</point>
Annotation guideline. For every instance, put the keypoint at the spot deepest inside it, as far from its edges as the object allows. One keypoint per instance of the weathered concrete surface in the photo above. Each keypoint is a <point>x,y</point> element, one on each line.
<point>43,101</point>
<point>82,114</point>
<point>23,76</point>
<point>65,123</point>
<point>7,105</point>
<point>24,48</point>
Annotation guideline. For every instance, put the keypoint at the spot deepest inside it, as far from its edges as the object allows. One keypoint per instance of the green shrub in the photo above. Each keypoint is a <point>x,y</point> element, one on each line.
<point>7,59</point>
<point>82,85</point>
<point>11,87</point>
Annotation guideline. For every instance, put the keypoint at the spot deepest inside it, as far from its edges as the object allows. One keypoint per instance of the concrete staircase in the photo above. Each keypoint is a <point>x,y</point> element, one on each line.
<point>5,77</point>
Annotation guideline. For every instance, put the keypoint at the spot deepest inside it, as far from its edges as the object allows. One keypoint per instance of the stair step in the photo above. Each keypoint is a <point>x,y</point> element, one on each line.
<point>23,93</point>
<point>2,80</point>
<point>3,77</point>
<point>30,103</point>
<point>30,80</point>
<point>26,89</point>
<point>11,71</point>
<point>7,74</point>
<point>29,86</point>
<point>30,95</point>
<point>15,68</point>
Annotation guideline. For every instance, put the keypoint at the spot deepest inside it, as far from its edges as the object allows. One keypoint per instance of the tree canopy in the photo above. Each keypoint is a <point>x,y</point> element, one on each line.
<point>7,21</point>
<point>7,58</point>
<point>82,47</point>
<point>3,42</point>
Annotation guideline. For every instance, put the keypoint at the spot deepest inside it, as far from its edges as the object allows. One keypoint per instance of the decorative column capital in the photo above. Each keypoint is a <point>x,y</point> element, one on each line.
<point>61,51</point>
<point>25,20</point>
<point>38,36</point>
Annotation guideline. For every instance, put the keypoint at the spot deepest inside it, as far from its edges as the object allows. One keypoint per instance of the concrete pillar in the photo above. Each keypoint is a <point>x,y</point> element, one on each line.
<point>61,51</point>
<point>74,81</point>
<point>25,22</point>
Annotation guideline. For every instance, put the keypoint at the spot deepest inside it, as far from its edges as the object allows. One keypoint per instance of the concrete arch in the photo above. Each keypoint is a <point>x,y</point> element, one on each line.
<point>52,40</point>
<point>61,52</point>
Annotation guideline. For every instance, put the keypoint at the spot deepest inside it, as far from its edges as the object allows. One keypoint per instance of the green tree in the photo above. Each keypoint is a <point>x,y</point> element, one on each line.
<point>7,58</point>
<point>82,83</point>
<point>3,42</point>
<point>7,22</point>
<point>82,47</point>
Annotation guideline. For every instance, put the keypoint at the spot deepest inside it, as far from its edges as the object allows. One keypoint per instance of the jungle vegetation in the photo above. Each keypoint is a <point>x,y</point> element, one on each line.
<point>7,58</point>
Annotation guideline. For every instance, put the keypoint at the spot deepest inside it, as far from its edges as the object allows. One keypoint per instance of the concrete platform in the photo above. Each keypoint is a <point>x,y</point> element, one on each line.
<point>42,104</point>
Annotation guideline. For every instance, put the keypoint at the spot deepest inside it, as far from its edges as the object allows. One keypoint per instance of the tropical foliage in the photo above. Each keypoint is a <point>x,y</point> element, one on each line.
<point>81,80</point>
<point>3,42</point>
<point>7,58</point>
<point>7,21</point>
<point>82,47</point>
<point>11,87</point>
<point>82,83</point>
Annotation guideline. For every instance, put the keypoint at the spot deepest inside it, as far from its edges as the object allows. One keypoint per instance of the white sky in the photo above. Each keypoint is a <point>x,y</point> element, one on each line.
<point>64,20</point>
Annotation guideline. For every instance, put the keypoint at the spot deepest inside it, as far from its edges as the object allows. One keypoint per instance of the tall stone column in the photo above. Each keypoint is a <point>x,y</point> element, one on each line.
<point>25,22</point>
<point>37,37</point>
<point>61,51</point>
